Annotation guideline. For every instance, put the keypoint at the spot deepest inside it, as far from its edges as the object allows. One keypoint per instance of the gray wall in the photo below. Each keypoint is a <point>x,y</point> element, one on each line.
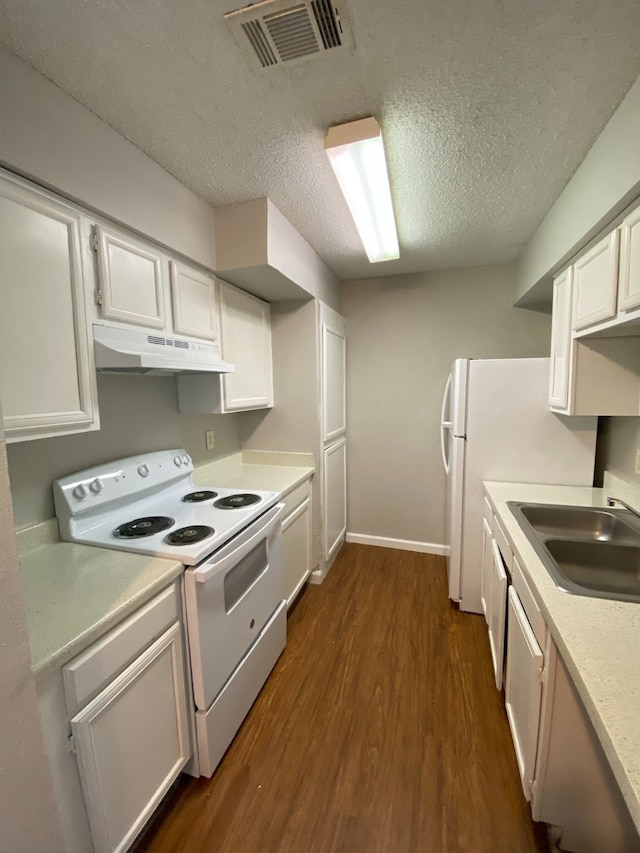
<point>605,183</point>
<point>138,414</point>
<point>49,136</point>
<point>618,440</point>
<point>29,815</point>
<point>292,424</point>
<point>403,333</point>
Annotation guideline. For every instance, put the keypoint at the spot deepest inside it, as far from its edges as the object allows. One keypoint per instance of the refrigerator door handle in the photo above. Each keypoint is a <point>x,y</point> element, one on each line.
<point>445,425</point>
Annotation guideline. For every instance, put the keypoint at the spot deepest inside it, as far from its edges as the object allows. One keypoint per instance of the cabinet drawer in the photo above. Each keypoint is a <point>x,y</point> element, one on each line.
<point>85,676</point>
<point>529,604</point>
<point>295,497</point>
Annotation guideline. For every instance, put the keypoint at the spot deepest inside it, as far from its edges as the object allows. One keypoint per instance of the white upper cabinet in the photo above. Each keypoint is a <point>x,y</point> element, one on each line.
<point>47,381</point>
<point>131,286</point>
<point>246,342</point>
<point>193,298</point>
<point>561,342</point>
<point>595,283</point>
<point>629,293</point>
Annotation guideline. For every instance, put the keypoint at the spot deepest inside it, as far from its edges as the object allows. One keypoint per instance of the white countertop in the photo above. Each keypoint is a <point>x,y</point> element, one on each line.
<point>599,639</point>
<point>74,594</point>
<point>257,469</point>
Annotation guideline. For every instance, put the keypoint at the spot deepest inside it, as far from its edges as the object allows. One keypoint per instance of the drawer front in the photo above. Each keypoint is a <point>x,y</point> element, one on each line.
<point>85,676</point>
<point>295,497</point>
<point>529,604</point>
<point>217,727</point>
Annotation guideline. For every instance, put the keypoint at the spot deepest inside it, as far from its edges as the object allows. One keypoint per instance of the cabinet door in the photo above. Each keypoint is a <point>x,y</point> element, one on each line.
<point>629,287</point>
<point>333,377</point>
<point>131,280</point>
<point>132,742</point>
<point>595,283</point>
<point>497,608</point>
<point>523,689</point>
<point>487,568</point>
<point>193,297</point>
<point>47,383</point>
<point>246,342</point>
<point>561,343</point>
<point>334,498</point>
<point>296,541</point>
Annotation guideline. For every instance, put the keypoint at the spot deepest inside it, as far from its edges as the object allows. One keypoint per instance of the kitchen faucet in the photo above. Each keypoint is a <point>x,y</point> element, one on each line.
<point>613,501</point>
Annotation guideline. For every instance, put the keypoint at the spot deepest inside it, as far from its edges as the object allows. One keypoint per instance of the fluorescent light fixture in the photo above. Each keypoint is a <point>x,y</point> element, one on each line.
<point>356,153</point>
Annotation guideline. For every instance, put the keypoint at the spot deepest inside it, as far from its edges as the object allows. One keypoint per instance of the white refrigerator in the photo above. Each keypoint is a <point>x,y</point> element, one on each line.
<point>496,425</point>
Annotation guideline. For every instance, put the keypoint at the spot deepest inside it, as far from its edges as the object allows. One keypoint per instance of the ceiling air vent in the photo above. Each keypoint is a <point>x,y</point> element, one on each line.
<point>275,32</point>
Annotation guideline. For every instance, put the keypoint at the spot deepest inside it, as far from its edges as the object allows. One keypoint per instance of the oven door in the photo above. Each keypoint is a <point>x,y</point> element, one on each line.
<point>230,597</point>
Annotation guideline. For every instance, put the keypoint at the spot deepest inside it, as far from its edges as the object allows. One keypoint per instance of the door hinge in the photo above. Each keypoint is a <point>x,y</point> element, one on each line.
<point>533,788</point>
<point>98,297</point>
<point>543,674</point>
<point>72,745</point>
<point>93,240</point>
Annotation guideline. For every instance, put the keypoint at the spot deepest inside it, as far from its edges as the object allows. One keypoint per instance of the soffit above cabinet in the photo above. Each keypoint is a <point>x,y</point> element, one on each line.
<point>259,250</point>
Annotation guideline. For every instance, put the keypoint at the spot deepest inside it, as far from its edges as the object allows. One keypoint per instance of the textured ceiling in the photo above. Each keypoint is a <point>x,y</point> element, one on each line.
<point>487,108</point>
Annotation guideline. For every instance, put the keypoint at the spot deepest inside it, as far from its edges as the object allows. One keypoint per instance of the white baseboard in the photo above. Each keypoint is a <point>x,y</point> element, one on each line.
<point>399,544</point>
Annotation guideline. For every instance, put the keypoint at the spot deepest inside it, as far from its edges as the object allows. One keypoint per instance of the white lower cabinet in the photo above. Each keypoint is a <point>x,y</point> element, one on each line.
<point>487,568</point>
<point>574,787</point>
<point>496,611</point>
<point>296,541</point>
<point>132,741</point>
<point>563,769</point>
<point>122,705</point>
<point>523,689</point>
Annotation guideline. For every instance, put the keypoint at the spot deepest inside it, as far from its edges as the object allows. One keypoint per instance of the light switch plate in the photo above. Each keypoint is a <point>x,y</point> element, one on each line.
<point>638,460</point>
<point>208,438</point>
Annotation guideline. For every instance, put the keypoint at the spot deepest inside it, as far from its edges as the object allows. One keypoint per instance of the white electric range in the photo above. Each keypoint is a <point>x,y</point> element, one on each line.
<point>231,545</point>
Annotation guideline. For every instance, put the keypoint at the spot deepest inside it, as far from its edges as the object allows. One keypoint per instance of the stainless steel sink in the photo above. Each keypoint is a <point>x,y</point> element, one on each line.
<point>611,569</point>
<point>590,522</point>
<point>586,550</point>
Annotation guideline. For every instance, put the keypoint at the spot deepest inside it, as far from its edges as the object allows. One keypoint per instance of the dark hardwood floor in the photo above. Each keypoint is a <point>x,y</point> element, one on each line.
<point>379,731</point>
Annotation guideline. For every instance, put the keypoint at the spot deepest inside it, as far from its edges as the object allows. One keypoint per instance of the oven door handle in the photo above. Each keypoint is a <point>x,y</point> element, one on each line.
<point>215,567</point>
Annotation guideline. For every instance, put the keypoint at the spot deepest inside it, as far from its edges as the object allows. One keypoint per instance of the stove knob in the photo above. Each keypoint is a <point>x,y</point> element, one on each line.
<point>143,470</point>
<point>80,492</point>
<point>96,486</point>
<point>186,458</point>
<point>177,461</point>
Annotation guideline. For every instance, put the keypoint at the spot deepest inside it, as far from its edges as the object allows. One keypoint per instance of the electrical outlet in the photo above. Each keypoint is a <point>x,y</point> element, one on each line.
<point>208,437</point>
<point>638,460</point>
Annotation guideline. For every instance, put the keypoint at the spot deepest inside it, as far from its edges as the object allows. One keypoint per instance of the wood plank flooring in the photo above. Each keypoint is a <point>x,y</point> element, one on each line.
<point>379,731</point>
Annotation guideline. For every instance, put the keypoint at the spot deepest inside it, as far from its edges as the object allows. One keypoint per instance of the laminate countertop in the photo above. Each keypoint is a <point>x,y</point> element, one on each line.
<point>74,594</point>
<point>257,469</point>
<point>598,638</point>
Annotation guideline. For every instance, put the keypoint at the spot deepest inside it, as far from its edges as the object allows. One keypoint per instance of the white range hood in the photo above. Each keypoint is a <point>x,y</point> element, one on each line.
<point>120,350</point>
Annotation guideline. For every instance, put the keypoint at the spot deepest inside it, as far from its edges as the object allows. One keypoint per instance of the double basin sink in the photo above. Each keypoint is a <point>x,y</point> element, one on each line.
<point>586,550</point>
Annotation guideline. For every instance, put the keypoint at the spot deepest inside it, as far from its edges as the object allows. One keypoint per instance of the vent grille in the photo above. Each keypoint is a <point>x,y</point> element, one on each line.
<point>167,342</point>
<point>328,23</point>
<point>275,32</point>
<point>292,33</point>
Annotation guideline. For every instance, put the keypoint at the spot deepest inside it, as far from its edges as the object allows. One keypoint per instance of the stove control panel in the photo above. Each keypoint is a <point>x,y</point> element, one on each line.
<point>126,479</point>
